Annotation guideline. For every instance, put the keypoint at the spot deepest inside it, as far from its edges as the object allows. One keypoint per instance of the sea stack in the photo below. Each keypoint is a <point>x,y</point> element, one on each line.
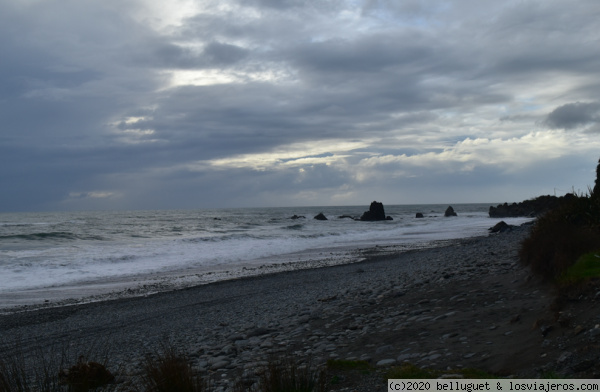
<point>320,217</point>
<point>375,213</point>
<point>450,211</point>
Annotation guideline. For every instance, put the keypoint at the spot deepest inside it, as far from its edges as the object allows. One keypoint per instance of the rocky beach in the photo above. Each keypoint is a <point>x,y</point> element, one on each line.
<point>467,303</point>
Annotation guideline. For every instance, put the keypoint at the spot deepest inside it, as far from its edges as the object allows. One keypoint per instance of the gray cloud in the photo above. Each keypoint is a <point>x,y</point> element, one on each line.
<point>573,115</point>
<point>108,99</point>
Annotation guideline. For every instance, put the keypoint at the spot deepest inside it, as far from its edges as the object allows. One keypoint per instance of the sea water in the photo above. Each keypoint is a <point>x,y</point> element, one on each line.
<point>53,249</point>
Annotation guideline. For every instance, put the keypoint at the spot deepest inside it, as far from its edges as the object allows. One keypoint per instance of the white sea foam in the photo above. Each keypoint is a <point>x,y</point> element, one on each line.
<point>222,243</point>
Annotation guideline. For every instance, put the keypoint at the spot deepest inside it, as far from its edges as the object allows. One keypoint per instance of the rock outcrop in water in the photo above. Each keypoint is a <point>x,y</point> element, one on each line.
<point>450,211</point>
<point>375,213</point>
<point>529,208</point>
<point>320,217</point>
<point>419,215</point>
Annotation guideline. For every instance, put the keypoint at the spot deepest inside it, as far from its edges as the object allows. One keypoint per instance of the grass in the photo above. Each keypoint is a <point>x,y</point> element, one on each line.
<point>339,364</point>
<point>56,369</point>
<point>410,371</point>
<point>69,369</point>
<point>586,267</point>
<point>170,371</point>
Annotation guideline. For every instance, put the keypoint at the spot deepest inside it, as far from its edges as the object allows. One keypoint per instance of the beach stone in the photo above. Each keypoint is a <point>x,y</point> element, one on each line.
<point>383,349</point>
<point>235,336</point>
<point>434,357</point>
<point>219,365</point>
<point>217,360</point>
<point>241,343</point>
<point>258,332</point>
<point>320,216</point>
<point>564,356</point>
<point>303,319</point>
<point>386,362</point>
<point>500,227</point>
<point>403,357</point>
<point>202,364</point>
<point>595,332</point>
<point>545,343</point>
<point>469,355</point>
<point>229,349</point>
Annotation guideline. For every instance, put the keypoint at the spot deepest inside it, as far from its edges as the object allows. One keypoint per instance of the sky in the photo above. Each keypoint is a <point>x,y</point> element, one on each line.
<point>133,104</point>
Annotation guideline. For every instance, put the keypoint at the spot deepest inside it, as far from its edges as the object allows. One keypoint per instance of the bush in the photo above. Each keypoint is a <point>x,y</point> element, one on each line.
<point>48,370</point>
<point>170,371</point>
<point>562,235</point>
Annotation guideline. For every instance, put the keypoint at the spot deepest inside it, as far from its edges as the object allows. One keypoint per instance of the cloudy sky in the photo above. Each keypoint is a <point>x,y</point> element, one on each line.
<point>238,103</point>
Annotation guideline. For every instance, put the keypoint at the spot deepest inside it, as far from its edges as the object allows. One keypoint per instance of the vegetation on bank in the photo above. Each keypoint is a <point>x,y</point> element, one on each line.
<point>559,244</point>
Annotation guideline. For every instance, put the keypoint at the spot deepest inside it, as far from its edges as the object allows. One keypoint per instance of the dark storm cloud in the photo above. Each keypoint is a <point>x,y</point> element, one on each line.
<point>173,56</point>
<point>573,115</point>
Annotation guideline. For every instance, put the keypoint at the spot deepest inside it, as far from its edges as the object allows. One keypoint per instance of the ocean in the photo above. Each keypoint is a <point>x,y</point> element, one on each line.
<point>43,250</point>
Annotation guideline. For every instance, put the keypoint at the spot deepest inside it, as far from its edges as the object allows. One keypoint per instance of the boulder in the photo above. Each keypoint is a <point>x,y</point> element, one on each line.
<point>320,217</point>
<point>297,217</point>
<point>450,211</point>
<point>500,227</point>
<point>419,215</point>
<point>375,213</point>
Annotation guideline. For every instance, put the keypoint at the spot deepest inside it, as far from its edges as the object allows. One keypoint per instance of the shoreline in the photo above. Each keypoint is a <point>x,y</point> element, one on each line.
<point>150,284</point>
<point>468,304</point>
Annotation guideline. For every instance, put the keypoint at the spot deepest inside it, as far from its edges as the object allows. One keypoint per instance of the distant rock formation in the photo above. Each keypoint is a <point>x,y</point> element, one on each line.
<point>375,213</point>
<point>450,211</point>
<point>345,216</point>
<point>320,217</point>
<point>419,215</point>
<point>529,208</point>
<point>389,218</point>
<point>297,217</point>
